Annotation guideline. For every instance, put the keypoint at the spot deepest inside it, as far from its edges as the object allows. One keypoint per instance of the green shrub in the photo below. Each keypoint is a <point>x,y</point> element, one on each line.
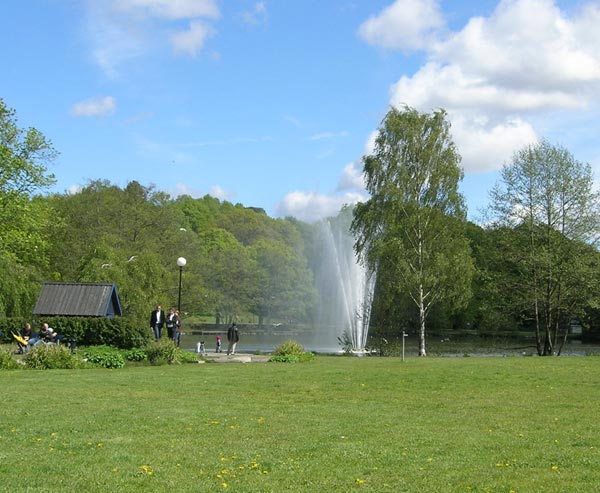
<point>119,332</point>
<point>7,362</point>
<point>53,356</point>
<point>290,352</point>
<point>104,356</point>
<point>162,352</point>
<point>135,354</point>
<point>187,357</point>
<point>289,347</point>
<point>284,358</point>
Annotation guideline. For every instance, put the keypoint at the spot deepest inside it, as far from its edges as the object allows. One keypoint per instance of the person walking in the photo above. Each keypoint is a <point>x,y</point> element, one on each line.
<point>219,344</point>
<point>171,323</point>
<point>233,337</point>
<point>157,321</point>
<point>177,329</point>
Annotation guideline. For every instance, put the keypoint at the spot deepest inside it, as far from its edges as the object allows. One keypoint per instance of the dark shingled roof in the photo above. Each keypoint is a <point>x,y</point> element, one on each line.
<point>78,299</point>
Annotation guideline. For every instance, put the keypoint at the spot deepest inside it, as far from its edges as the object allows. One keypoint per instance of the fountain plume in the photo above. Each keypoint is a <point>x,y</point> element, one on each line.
<point>345,286</point>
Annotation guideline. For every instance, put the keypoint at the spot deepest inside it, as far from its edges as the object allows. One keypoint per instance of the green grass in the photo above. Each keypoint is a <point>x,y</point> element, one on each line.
<point>334,424</point>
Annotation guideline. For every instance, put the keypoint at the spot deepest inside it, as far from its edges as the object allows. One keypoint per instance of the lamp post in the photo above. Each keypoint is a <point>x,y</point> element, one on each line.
<point>180,263</point>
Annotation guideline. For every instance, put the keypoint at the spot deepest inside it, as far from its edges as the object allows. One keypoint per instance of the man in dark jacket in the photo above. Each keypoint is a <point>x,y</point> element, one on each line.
<point>233,336</point>
<point>157,321</point>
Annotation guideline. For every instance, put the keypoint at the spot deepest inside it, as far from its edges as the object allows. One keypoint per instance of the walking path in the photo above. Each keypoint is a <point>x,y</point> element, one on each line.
<point>236,358</point>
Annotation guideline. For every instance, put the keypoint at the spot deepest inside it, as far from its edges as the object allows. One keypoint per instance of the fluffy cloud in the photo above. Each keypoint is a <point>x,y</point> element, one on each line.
<point>352,177</point>
<point>99,106</point>
<point>121,30</point>
<point>311,206</point>
<point>499,74</point>
<point>475,139</point>
<point>406,25</point>
<point>190,42</point>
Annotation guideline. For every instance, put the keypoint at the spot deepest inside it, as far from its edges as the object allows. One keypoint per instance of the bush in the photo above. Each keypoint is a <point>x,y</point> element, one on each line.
<point>104,356</point>
<point>162,352</point>
<point>187,357</point>
<point>289,347</point>
<point>290,352</point>
<point>119,332</point>
<point>135,354</point>
<point>7,362</point>
<point>53,356</point>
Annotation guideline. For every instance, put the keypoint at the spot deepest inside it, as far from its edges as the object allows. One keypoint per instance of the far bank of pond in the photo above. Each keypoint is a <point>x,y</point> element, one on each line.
<point>255,339</point>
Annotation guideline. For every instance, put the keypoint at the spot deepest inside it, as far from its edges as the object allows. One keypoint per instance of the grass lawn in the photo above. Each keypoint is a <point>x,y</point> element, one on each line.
<point>333,424</point>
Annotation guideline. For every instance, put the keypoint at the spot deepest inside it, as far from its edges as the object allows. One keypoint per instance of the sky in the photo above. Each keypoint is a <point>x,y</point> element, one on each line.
<point>273,103</point>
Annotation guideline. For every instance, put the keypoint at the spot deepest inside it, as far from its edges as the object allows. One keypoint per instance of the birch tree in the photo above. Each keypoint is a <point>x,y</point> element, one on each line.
<point>547,196</point>
<point>413,224</point>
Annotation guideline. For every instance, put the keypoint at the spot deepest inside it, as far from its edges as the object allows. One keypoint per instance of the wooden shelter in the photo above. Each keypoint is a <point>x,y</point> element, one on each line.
<point>78,299</point>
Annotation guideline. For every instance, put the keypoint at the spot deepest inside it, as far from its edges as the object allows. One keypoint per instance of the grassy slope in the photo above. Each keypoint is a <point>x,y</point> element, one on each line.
<point>336,424</point>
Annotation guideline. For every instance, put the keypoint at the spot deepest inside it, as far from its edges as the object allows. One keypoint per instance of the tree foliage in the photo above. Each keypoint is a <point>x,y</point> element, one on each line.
<point>411,228</point>
<point>25,155</point>
<point>546,198</point>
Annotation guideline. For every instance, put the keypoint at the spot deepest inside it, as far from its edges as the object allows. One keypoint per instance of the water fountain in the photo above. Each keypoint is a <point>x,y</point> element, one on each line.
<point>345,287</point>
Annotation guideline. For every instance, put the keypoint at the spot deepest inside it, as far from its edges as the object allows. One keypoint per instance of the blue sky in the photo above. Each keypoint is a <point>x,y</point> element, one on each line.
<point>272,103</point>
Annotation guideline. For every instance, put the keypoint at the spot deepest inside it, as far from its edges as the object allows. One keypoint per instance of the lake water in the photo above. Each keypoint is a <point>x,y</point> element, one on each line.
<point>267,341</point>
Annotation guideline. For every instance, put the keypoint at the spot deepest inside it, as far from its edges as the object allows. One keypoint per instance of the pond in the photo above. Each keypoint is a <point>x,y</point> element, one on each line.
<point>266,341</point>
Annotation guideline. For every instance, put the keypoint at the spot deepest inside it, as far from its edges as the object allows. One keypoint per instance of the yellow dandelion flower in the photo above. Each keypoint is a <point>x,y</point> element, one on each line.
<point>224,459</point>
<point>223,471</point>
<point>554,468</point>
<point>219,476</point>
<point>223,485</point>
<point>100,445</point>
<point>359,481</point>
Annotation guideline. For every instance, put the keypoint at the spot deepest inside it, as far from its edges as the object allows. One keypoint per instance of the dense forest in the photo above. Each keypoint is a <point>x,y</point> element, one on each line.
<point>533,268</point>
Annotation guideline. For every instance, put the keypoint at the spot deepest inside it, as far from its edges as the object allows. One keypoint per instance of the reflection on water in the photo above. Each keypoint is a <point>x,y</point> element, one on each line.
<point>267,341</point>
<point>255,341</point>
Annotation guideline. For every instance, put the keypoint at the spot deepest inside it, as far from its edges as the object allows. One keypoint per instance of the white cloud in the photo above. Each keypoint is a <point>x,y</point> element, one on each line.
<point>406,25</point>
<point>122,30</point>
<point>190,42</point>
<point>311,206</point>
<point>183,189</point>
<point>257,15</point>
<point>220,193</point>
<point>501,73</point>
<point>527,45</point>
<point>328,135</point>
<point>487,148</point>
<point>352,177</point>
<point>99,106</point>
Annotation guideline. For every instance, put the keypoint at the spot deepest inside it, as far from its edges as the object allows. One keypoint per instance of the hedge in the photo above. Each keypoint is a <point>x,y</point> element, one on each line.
<point>120,332</point>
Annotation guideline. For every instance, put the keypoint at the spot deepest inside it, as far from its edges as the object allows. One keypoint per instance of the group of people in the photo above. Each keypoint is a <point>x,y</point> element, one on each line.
<point>233,337</point>
<point>172,321</point>
<point>28,339</point>
<point>158,320</point>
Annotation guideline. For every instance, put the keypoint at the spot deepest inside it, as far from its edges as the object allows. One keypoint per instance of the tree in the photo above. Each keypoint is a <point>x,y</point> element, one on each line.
<point>412,227</point>
<point>24,157</point>
<point>547,197</point>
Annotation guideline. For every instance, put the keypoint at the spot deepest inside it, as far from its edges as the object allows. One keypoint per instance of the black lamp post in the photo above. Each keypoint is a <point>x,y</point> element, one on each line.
<point>180,263</point>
